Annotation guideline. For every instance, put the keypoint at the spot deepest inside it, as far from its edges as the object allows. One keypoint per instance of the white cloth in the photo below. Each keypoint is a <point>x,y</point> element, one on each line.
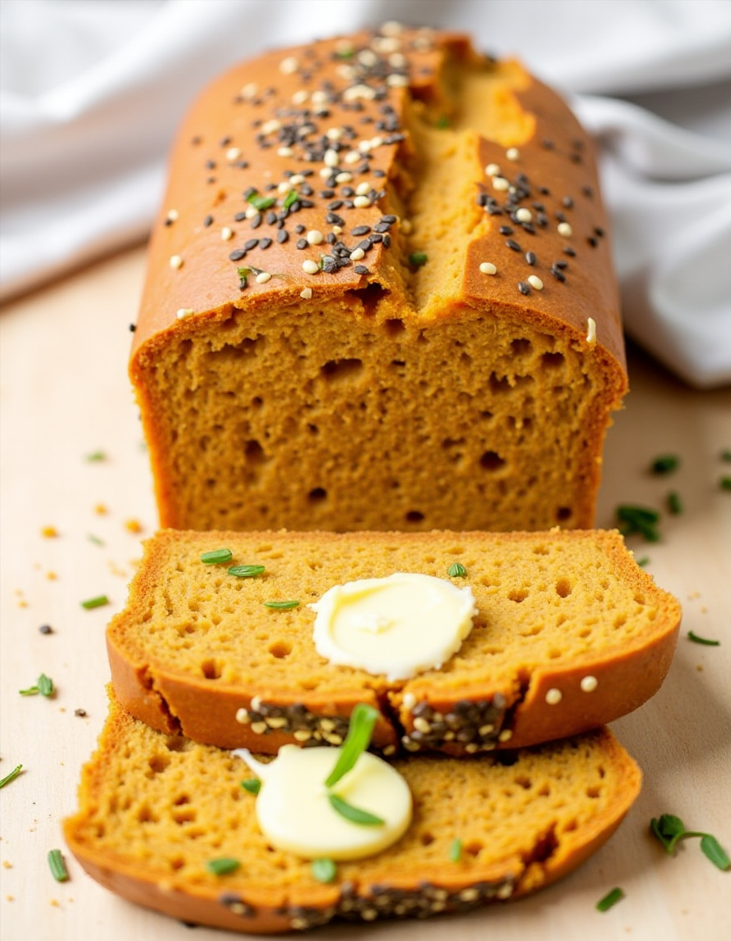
<point>91,92</point>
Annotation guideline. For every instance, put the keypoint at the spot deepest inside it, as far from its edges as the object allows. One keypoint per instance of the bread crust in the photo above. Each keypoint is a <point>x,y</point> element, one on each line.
<point>244,904</point>
<point>542,696</point>
<point>555,155</point>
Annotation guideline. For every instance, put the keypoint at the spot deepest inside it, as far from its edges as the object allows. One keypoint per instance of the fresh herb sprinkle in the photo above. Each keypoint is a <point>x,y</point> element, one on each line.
<point>216,556</point>
<point>670,829</point>
<point>417,259</point>
<point>638,519</point>
<point>697,639</point>
<point>222,866</point>
<point>11,776</point>
<point>455,850</point>
<point>362,722</point>
<point>456,570</point>
<point>610,900</point>
<point>246,571</point>
<point>252,785</point>
<point>97,602</point>
<point>281,605</point>
<point>323,870</point>
<point>354,814</point>
<point>675,504</point>
<point>57,866</point>
<point>665,464</point>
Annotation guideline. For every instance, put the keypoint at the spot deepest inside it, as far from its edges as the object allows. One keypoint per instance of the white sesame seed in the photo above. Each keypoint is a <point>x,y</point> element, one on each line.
<point>405,226</point>
<point>233,153</point>
<point>251,211</point>
<point>300,97</point>
<point>256,703</point>
<point>184,312</point>
<point>505,891</point>
<point>589,684</point>
<point>310,267</point>
<point>344,177</point>
<point>315,237</point>
<point>306,293</point>
<point>391,28</point>
<point>263,277</point>
<point>284,187</point>
<point>409,698</point>
<point>331,158</point>
<point>535,282</point>
<point>421,724</point>
<point>337,230</point>
<point>591,330</point>
<point>226,233</point>
<point>269,127</point>
<point>554,696</point>
<point>303,735</point>
<point>376,142</point>
<point>500,183</point>
<point>172,215</point>
<point>523,214</point>
<point>359,91</point>
<point>492,169</point>
<point>565,229</point>
<point>344,47</point>
<point>512,153</point>
<point>334,133</point>
<point>319,97</point>
<point>242,716</point>
<point>362,189</point>
<point>176,261</point>
<point>296,179</point>
<point>386,44</point>
<point>248,91</point>
<point>487,267</point>
<point>289,65</point>
<point>505,735</point>
<point>360,202</point>
<point>471,748</point>
<point>367,57</point>
<point>397,81</point>
<point>259,728</point>
<point>325,172</point>
<point>352,156</point>
<point>397,60</point>
<point>364,146</point>
<point>357,254</point>
<point>285,151</point>
<point>346,71</point>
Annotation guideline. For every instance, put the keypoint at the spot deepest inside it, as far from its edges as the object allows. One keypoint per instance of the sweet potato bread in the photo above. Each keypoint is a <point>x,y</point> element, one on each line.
<point>155,809</point>
<point>570,633</point>
<point>379,296</point>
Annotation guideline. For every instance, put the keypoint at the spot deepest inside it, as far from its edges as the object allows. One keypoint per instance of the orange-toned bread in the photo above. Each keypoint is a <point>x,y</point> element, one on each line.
<point>379,296</point>
<point>570,633</point>
<point>155,809</point>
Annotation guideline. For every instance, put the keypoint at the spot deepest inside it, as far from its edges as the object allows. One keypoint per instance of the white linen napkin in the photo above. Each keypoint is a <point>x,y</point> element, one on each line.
<point>91,92</point>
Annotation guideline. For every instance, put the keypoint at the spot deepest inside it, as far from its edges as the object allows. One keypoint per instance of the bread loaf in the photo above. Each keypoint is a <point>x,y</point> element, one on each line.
<point>379,296</point>
<point>154,810</point>
<point>570,633</point>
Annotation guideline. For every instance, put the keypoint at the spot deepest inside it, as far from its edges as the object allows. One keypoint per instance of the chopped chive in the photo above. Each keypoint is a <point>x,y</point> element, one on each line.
<point>675,505</point>
<point>665,464</point>
<point>45,685</point>
<point>97,602</point>
<point>645,560</point>
<point>638,519</point>
<point>457,570</point>
<point>260,202</point>
<point>281,605</point>
<point>345,53</point>
<point>455,850</point>
<point>58,866</point>
<point>417,259</point>
<point>354,814</point>
<point>697,639</point>
<point>11,776</point>
<point>246,571</point>
<point>252,785</point>
<point>725,483</point>
<point>96,456</point>
<point>362,721</point>
<point>442,121</point>
<point>222,866</point>
<point>713,850</point>
<point>244,276</point>
<point>323,870</point>
<point>215,556</point>
<point>30,691</point>
<point>609,900</point>
<point>726,455</point>
<point>291,197</point>
<point>95,539</point>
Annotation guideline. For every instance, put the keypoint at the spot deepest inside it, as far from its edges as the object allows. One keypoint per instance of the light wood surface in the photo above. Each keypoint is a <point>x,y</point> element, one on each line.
<point>65,396</point>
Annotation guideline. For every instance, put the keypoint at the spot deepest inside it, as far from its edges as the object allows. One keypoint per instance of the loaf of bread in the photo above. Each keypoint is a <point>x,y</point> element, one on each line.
<point>154,810</point>
<point>379,296</point>
<point>570,633</point>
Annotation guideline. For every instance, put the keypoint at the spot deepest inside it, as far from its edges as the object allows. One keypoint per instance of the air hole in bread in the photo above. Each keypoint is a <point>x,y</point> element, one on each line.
<point>184,816</point>
<point>317,495</point>
<point>175,743</point>
<point>426,839</point>
<point>521,347</point>
<point>524,782</point>
<point>545,791</point>
<point>518,594</point>
<point>254,452</point>
<point>499,385</point>
<point>211,670</point>
<point>394,326</point>
<point>570,825</point>
<point>474,848</point>
<point>563,513</point>
<point>544,848</point>
<point>491,460</point>
<point>640,598</point>
<point>593,792</point>
<point>177,864</point>
<point>552,360</point>
<point>342,369</point>
<point>414,516</point>
<point>563,587</point>
<point>313,429</point>
<point>280,649</point>
<point>146,815</point>
<point>159,763</point>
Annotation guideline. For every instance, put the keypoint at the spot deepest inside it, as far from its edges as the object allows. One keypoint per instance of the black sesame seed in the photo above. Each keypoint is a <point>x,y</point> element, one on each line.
<point>282,236</point>
<point>381,227</point>
<point>132,327</point>
<point>592,241</point>
<point>600,232</point>
<point>335,204</point>
<point>523,287</point>
<point>208,221</point>
<point>389,219</point>
<point>361,230</point>
<point>45,629</point>
<point>361,269</point>
<point>334,219</point>
<point>560,264</point>
<point>511,243</point>
<point>493,210</point>
<point>328,194</point>
<point>387,241</point>
<point>331,239</point>
<point>548,144</point>
<point>569,251</point>
<point>568,202</point>
<point>375,237</point>
<point>506,230</point>
<point>250,243</point>
<point>271,217</point>
<point>365,245</point>
<point>210,164</point>
<point>240,216</point>
<point>224,142</point>
<point>80,712</point>
<point>560,215</point>
<point>299,228</point>
<point>256,221</point>
<point>558,274</point>
<point>530,257</point>
<point>264,243</point>
<point>238,254</point>
<point>302,243</point>
<point>587,191</point>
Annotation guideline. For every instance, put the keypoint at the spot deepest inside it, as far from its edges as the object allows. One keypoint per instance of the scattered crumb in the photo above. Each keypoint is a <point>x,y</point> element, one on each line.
<point>10,898</point>
<point>80,712</point>
<point>699,668</point>
<point>62,709</point>
<point>51,576</point>
<point>55,903</point>
<point>693,595</point>
<point>101,509</point>
<point>133,526</point>
<point>116,570</point>
<point>7,864</point>
<point>19,591</point>
<point>22,604</point>
<point>704,609</point>
<point>50,532</point>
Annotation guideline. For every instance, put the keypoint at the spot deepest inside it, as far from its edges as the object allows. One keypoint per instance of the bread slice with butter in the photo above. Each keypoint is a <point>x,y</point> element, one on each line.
<point>159,815</point>
<point>569,633</point>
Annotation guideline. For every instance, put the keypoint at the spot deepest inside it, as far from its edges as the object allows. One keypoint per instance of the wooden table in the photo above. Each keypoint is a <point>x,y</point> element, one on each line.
<point>71,531</point>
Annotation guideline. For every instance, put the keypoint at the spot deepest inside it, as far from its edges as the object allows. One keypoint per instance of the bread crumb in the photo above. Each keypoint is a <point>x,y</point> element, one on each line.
<point>100,509</point>
<point>55,903</point>
<point>49,532</point>
<point>133,526</point>
<point>10,898</point>
<point>51,576</point>
<point>7,864</point>
<point>699,668</point>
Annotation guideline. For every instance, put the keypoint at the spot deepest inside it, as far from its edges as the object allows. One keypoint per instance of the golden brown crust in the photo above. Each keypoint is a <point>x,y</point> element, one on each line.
<point>524,843</point>
<point>227,146</point>
<point>571,634</point>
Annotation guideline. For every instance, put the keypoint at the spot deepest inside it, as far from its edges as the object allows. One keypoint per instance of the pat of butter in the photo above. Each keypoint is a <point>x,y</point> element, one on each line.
<point>294,813</point>
<point>397,626</point>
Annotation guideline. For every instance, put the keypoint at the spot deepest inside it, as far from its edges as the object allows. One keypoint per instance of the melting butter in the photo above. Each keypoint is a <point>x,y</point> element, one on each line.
<point>397,626</point>
<point>294,813</point>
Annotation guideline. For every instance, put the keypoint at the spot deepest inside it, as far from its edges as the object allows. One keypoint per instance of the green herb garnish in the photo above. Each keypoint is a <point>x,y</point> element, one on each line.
<point>252,785</point>
<point>670,829</point>
<point>456,570</point>
<point>44,686</point>
<point>243,276</point>
<point>645,560</point>
<point>246,571</point>
<point>12,776</point>
<point>323,870</point>
<point>260,202</point>
<point>58,866</point>
<point>455,850</point>
<point>442,121</point>
<point>354,814</point>
<point>347,53</point>
<point>726,455</point>
<point>725,483</point>
<point>222,866</point>
<point>96,456</point>
<point>697,639</point>
<point>665,464</point>
<point>281,605</point>
<point>216,556</point>
<point>417,259</point>
<point>609,900</point>
<point>97,602</point>
<point>638,519</point>
<point>291,197</point>
<point>675,505</point>
<point>362,721</point>
<point>95,539</point>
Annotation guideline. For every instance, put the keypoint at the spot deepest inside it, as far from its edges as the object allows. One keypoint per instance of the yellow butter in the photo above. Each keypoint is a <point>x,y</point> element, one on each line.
<point>294,813</point>
<point>396,626</point>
